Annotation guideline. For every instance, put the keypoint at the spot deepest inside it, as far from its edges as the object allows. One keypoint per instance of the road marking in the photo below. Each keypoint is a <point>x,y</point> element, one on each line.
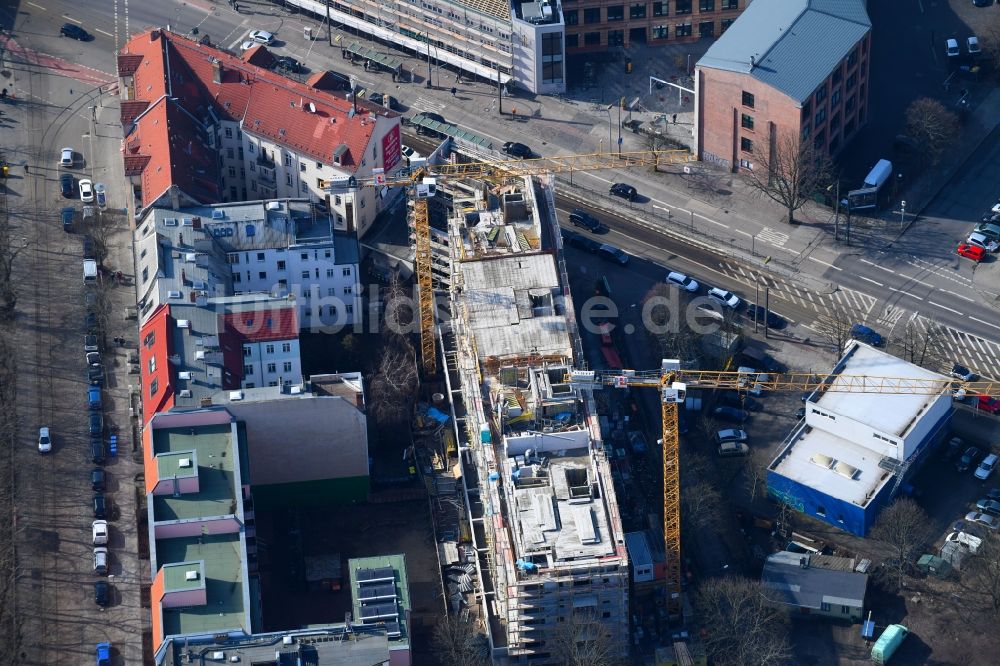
<point>913,279</point>
<point>905,293</point>
<point>772,237</point>
<point>951,293</point>
<point>874,265</point>
<point>70,18</point>
<point>944,307</point>
<point>984,322</point>
<point>428,104</point>
<point>708,219</point>
<point>102,32</point>
<point>828,265</point>
<point>38,7</point>
<point>871,280</point>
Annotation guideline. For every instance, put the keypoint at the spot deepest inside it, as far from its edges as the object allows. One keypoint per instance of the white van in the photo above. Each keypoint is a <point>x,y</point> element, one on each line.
<point>89,271</point>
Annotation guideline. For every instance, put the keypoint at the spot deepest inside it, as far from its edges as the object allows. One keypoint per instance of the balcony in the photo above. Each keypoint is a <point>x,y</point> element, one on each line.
<point>265,161</point>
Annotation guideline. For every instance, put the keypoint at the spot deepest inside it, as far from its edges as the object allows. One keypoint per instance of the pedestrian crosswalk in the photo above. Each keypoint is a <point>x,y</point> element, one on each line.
<point>889,316</point>
<point>424,104</point>
<point>772,237</point>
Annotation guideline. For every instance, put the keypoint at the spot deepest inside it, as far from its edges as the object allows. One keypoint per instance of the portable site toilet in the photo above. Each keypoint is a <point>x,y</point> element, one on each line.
<point>888,643</point>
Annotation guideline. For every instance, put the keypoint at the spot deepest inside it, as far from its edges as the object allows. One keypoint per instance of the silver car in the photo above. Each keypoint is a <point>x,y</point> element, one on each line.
<point>983,519</point>
<point>727,298</point>
<point>730,435</point>
<point>988,506</point>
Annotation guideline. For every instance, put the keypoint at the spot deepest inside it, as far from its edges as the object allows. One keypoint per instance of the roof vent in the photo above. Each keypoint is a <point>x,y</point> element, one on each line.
<point>187,222</point>
<point>281,131</point>
<point>287,640</point>
<point>184,393</point>
<point>822,460</point>
<point>183,323</point>
<point>191,575</point>
<point>184,462</point>
<point>218,214</point>
<point>295,390</point>
<point>173,293</point>
<point>199,355</point>
<point>184,375</point>
<point>235,396</point>
<point>845,470</point>
<point>274,205</point>
<point>170,222</point>
<point>312,108</point>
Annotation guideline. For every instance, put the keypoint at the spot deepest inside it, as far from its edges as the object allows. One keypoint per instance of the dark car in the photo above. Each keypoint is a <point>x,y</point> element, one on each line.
<point>969,458</point>
<point>388,101</point>
<point>100,506</point>
<point>963,373</point>
<point>867,335</point>
<point>287,64</point>
<point>761,313</point>
<point>581,218</point>
<point>582,242</point>
<point>800,413</point>
<point>98,480</point>
<point>90,322</point>
<point>66,216</point>
<point>88,247</point>
<point>734,399</point>
<point>951,450</point>
<point>624,190</point>
<point>75,32</point>
<point>95,375</point>
<point>515,149</point>
<point>67,185</point>
<point>102,593</point>
<point>96,424</point>
<point>982,3</point>
<point>613,253</point>
<point>97,451</point>
<point>730,414</point>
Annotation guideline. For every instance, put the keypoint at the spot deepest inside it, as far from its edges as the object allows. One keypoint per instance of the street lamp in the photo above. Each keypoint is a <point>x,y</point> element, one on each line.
<point>902,213</point>
<point>610,106</point>
<point>620,105</point>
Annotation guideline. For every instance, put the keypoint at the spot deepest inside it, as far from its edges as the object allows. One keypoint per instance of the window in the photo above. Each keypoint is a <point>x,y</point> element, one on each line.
<point>834,122</point>
<point>251,149</point>
<point>849,104</point>
<point>247,350</point>
<point>305,275</point>
<point>637,11</point>
<point>319,165</point>
<point>730,4</point>
<point>327,254</point>
<point>286,366</point>
<point>852,81</point>
<point>154,386</point>
<point>237,277</point>
<point>845,610</point>
<point>682,7</point>
<point>616,13</point>
<point>746,164</point>
<point>304,256</point>
<point>288,179</point>
<point>706,29</point>
<point>269,349</point>
<point>616,37</point>
<point>281,265</point>
<point>272,368</point>
<point>725,23</point>
<point>592,15</point>
<point>234,257</point>
<point>272,383</point>
<point>288,160</point>
<point>852,59</point>
<point>591,38</point>
<point>572,41</point>
<point>806,129</point>
<point>746,145</point>
<point>348,309</point>
<point>249,385</point>
<point>348,290</point>
<point>347,272</point>
<point>229,153</point>
<point>247,370</point>
<point>747,99</point>
<point>232,172</point>
<point>838,74</point>
<point>821,511</point>
<point>825,607</point>
<point>660,32</point>
<point>286,347</point>
<point>818,144</point>
<point>820,94</point>
<point>682,30</point>
<point>746,122</point>
<point>661,8</point>
<point>706,6</point>
<point>260,257</point>
<point>572,17</point>
<point>331,291</point>
<point>262,275</point>
<point>552,58</point>
<point>820,116</point>
<point>229,132</point>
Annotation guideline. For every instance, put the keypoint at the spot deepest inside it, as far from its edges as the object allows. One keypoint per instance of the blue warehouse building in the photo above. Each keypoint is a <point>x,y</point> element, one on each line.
<point>852,452</point>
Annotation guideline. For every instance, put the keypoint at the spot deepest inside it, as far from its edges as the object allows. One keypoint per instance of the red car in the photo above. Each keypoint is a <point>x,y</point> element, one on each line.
<point>988,404</point>
<point>970,251</point>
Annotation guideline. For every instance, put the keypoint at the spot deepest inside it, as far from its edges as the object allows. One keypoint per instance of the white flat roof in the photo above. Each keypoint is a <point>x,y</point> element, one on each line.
<point>893,413</point>
<point>841,454</point>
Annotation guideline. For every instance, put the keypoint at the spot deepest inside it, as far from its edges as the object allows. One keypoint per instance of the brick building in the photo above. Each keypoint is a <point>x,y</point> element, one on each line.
<point>794,68</point>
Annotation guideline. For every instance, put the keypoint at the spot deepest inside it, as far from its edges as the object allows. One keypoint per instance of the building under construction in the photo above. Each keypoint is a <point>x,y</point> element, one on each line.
<point>551,565</point>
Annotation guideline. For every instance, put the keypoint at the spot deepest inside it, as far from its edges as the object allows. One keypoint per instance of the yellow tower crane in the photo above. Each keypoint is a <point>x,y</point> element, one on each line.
<point>421,183</point>
<point>673,383</point>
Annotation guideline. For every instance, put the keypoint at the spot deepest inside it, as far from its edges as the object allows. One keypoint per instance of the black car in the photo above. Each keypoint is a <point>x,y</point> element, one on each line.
<point>730,414</point>
<point>97,452</point>
<point>582,242</point>
<point>95,375</point>
<point>98,480</point>
<point>90,321</point>
<point>982,3</point>
<point>581,218</point>
<point>66,215</point>
<point>761,313</point>
<point>102,593</point>
<point>800,413</point>
<point>96,424</point>
<point>88,247</point>
<point>515,149</point>
<point>963,373</point>
<point>625,191</point>
<point>67,185</point>
<point>287,64</point>
<point>969,458</point>
<point>734,399</point>
<point>388,101</point>
<point>100,507</point>
<point>75,32</point>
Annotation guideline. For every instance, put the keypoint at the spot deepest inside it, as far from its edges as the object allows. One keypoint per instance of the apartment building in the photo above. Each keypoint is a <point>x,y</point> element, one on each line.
<point>552,542</point>
<point>204,126</point>
<point>786,70</point>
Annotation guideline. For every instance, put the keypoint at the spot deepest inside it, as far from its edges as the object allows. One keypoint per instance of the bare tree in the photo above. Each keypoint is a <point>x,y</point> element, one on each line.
<point>835,327</point>
<point>982,574</point>
<point>921,345</point>
<point>99,225</point>
<point>903,527</point>
<point>701,505</point>
<point>756,472</point>
<point>931,126</point>
<point>394,382</point>
<point>583,640</point>
<point>742,625</point>
<point>457,642</point>
<point>10,249</point>
<point>787,171</point>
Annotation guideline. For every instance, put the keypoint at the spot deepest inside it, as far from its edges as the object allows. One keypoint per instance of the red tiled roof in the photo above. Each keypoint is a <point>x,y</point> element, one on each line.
<point>261,325</point>
<point>259,56</point>
<point>128,63</point>
<point>134,164</point>
<point>132,109</point>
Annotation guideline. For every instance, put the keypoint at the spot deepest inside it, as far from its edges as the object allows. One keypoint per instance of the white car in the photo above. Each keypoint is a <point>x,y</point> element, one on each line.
<point>972,46</point>
<point>951,48</point>
<point>727,298</point>
<point>261,37</point>
<point>86,190</point>
<point>410,154</point>
<point>100,532</point>
<point>682,281</point>
<point>66,157</point>
<point>44,440</point>
<point>247,45</point>
<point>976,238</point>
<point>986,467</point>
<point>984,519</point>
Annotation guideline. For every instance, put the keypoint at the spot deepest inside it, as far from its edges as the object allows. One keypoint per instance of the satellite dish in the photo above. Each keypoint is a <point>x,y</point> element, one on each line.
<point>312,108</point>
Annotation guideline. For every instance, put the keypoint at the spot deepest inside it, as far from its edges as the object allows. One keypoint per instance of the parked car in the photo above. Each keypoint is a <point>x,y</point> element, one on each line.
<point>388,101</point>
<point>287,64</point>
<point>730,435</point>
<point>97,453</point>
<point>101,195</point>
<point>730,414</point>
<point>100,506</point>
<point>993,494</point>
<point>953,448</point>
<point>66,157</point>
<point>624,190</point>
<point>764,315</point>
<point>613,253</point>
<point>986,467</point>
<point>93,358</point>
<point>972,46</point>
<point>86,190</point>
<point>90,343</point>
<point>733,449</point>
<point>581,218</point>
<point>102,593</point>
<point>726,298</point>
<point>974,252</point>
<point>95,375</point>
<point>967,541</point>
<point>582,242</point>
<point>800,413</point>
<point>989,244</point>
<point>409,153</point>
<point>44,440</point>
<point>683,281</point>
<point>66,217</point>
<point>67,185</point>
<point>90,321</point>
<point>515,149</point>
<point>738,400</point>
<point>989,229</point>
<point>93,397</point>
<point>988,404</point>
<point>261,37</point>
<point>96,425</point>
<point>98,480</point>
<point>951,48</point>
<point>74,31</point>
<point>963,373</point>
<point>983,519</point>
<point>867,335</point>
<point>969,458</point>
<point>99,530</point>
<point>101,562</point>
<point>88,247</point>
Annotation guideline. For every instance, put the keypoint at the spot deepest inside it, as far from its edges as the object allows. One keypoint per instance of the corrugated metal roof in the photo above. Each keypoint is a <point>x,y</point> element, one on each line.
<point>809,586</point>
<point>794,44</point>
